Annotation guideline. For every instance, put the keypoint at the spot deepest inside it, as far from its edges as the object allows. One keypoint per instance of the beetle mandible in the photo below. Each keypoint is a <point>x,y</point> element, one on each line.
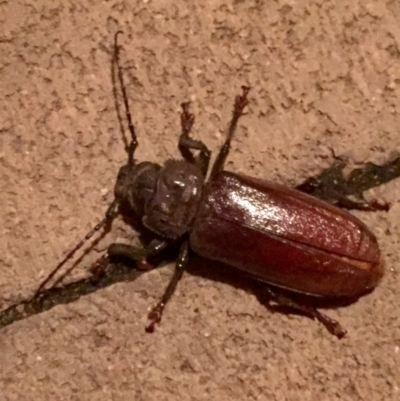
<point>278,235</point>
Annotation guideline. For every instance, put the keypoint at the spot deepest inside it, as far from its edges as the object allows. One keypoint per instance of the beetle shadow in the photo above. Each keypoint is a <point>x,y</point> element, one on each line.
<point>226,274</point>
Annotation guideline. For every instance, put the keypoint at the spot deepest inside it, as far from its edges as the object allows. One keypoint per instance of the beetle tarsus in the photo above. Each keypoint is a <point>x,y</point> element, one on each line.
<point>156,313</point>
<point>99,268</point>
<point>373,206</point>
<point>331,325</point>
<point>327,191</point>
<point>144,265</point>
<point>187,119</point>
<point>187,144</point>
<point>155,316</point>
<point>241,101</point>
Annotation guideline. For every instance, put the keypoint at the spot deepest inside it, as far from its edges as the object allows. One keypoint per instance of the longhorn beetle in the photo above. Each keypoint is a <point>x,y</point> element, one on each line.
<point>278,235</point>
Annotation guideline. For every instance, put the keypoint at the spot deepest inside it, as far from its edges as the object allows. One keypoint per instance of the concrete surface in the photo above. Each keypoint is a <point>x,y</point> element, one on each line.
<point>325,77</point>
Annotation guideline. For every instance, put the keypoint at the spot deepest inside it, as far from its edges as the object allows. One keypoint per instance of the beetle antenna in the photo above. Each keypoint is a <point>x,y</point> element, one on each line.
<point>113,208</point>
<point>133,144</point>
<point>111,213</point>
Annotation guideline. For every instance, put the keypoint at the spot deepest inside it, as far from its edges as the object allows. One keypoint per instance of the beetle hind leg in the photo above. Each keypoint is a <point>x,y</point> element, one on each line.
<point>333,326</point>
<point>347,192</point>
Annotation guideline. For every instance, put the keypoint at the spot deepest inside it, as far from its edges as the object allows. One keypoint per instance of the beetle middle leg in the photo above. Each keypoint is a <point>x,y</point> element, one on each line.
<point>240,103</point>
<point>332,325</point>
<point>155,314</point>
<point>187,144</point>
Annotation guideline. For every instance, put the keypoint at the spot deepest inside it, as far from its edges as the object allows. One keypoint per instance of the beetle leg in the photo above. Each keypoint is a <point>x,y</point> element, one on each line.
<point>332,325</point>
<point>240,103</point>
<point>371,206</point>
<point>187,144</point>
<point>328,192</point>
<point>138,254</point>
<point>99,267</point>
<point>156,313</point>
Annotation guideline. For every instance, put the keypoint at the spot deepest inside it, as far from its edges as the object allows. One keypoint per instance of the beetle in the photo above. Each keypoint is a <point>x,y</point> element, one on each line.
<point>278,235</point>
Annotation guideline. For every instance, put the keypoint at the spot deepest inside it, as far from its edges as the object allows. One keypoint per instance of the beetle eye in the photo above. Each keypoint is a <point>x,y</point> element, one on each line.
<point>122,173</point>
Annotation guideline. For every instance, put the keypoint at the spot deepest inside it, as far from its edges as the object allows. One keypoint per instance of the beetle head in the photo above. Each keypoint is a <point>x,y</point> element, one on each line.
<point>136,184</point>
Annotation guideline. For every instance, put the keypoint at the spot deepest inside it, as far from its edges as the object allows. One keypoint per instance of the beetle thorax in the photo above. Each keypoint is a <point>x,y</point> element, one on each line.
<point>166,198</point>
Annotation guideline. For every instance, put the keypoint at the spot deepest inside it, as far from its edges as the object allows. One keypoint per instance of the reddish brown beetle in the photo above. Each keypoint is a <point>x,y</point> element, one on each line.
<point>278,235</point>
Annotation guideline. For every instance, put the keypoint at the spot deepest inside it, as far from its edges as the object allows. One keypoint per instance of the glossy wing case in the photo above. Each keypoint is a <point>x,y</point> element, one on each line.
<point>285,237</point>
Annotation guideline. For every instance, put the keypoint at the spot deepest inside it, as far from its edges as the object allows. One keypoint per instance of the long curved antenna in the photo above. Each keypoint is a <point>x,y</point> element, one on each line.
<point>110,215</point>
<point>134,143</point>
<point>112,211</point>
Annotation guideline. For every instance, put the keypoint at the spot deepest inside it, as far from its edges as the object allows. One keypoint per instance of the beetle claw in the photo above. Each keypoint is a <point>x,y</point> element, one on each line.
<point>99,268</point>
<point>332,325</point>
<point>155,316</point>
<point>144,265</point>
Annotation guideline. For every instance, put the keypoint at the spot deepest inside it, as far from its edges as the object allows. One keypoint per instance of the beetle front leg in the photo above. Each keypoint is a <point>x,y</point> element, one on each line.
<point>332,325</point>
<point>137,254</point>
<point>240,103</point>
<point>187,144</point>
<point>155,314</point>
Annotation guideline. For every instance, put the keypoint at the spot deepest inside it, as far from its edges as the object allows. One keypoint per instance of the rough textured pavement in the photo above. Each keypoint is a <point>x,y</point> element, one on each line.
<point>325,78</point>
